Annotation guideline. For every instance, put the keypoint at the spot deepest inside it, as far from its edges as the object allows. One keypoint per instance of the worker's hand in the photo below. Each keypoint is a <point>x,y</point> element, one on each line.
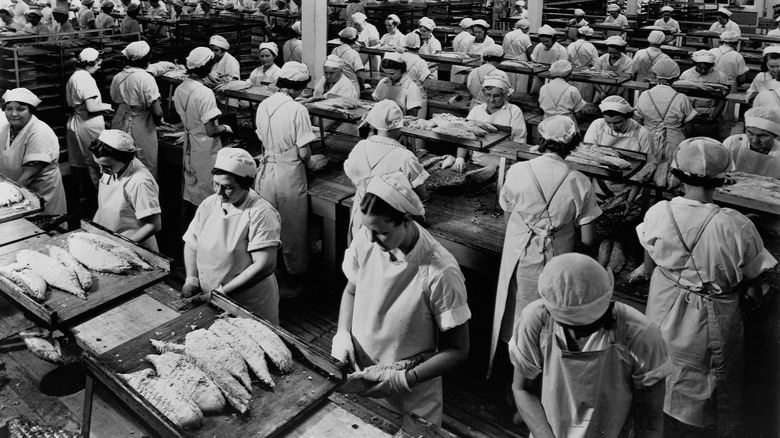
<point>343,350</point>
<point>638,275</point>
<point>191,287</point>
<point>317,162</point>
<point>203,297</point>
<point>228,129</point>
<point>388,382</point>
<point>460,165</point>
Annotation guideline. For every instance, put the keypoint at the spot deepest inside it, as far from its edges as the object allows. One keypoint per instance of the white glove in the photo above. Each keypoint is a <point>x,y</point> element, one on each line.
<point>460,165</point>
<point>342,348</point>
<point>389,382</point>
<point>638,275</point>
<point>228,129</point>
<point>191,287</point>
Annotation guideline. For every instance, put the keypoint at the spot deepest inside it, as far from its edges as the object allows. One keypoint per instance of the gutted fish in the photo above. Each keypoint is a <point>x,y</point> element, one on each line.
<point>22,279</point>
<point>114,247</point>
<point>249,349</point>
<point>189,380</point>
<point>64,257</point>
<point>55,273</point>
<point>21,428</point>
<point>97,258</point>
<point>272,344</point>
<point>182,412</point>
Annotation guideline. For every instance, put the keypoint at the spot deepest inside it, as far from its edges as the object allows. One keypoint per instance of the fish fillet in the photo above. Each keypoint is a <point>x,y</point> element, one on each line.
<point>22,279</point>
<point>117,248</point>
<point>9,194</point>
<point>97,258</point>
<point>21,428</point>
<point>249,349</point>
<point>272,344</point>
<point>64,257</point>
<point>234,392</point>
<point>182,412</point>
<point>54,272</point>
<point>189,380</point>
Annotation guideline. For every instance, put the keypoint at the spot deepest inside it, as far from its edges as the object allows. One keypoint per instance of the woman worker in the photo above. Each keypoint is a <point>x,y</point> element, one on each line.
<point>197,107</point>
<point>85,123</point>
<point>30,150</point>
<point>284,128</point>
<point>380,154</point>
<point>231,244</point>
<point>397,86</point>
<point>401,281</point>
<point>334,83</point>
<point>546,52</point>
<point>517,47</point>
<point>614,60</point>
<point>582,53</point>
<point>618,129</point>
<point>543,201</point>
<point>558,97</point>
<point>496,109</point>
<point>476,46</point>
<point>463,40</point>
<point>268,72</point>
<point>664,111</point>
<point>491,59</point>
<point>758,150</point>
<point>702,258</point>
<point>769,78</point>
<point>137,97</point>
<point>352,61</point>
<point>601,363</point>
<point>128,195</point>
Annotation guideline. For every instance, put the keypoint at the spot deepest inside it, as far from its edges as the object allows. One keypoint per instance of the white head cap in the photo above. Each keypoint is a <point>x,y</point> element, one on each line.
<point>395,189</point>
<point>546,30</point>
<point>136,50</point>
<point>777,19</point>
<point>219,41</point>
<point>296,27</point>
<point>412,40</point>
<point>725,12</point>
<point>498,79</point>
<point>384,116</point>
<point>333,61</point>
<point>703,56</point>
<point>494,50</point>
<point>667,9</point>
<point>118,139</point>
<point>576,289</point>
<point>585,30</point>
<point>615,40</point>
<point>393,56</point>
<point>481,23</point>
<point>702,156</point>
<point>359,17</point>
<point>770,49</point>
<point>560,69</point>
<point>394,18</point>
<point>466,23</point>
<point>294,71</point>
<point>348,33</point>
<point>729,36</point>
<point>236,161</point>
<point>557,128</point>
<point>617,104</point>
<point>665,68</point>
<point>613,8</point>
<point>271,47</point>
<point>522,24</point>
<point>427,23</point>
<point>22,95</point>
<point>765,118</point>
<point>579,13</point>
<point>198,57</point>
<point>656,37</point>
<point>88,55</point>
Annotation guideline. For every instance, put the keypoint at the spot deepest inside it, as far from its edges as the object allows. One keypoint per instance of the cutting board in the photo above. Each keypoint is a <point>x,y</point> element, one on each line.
<point>61,308</point>
<point>271,410</point>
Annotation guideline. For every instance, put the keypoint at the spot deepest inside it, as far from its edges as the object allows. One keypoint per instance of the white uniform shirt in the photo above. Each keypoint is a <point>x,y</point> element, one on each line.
<point>508,115</point>
<point>621,20</point>
<point>257,77</point>
<point>462,41</point>
<point>515,44</point>
<point>701,105</point>
<point>559,98</point>
<point>277,138</point>
<point>720,28</point>
<point>227,67</point>
<point>405,93</point>
<point>556,53</point>
<point>744,159</point>
<point>582,53</point>
<point>394,40</point>
<point>671,25</point>
<point>643,62</point>
<point>763,82</point>
<point>430,47</point>
<point>729,62</point>
<point>343,87</point>
<point>292,50</point>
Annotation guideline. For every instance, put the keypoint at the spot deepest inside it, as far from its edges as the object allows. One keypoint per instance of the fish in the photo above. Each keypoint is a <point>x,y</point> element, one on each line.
<point>22,279</point>
<point>64,257</point>
<point>55,273</point>
<point>189,380</point>
<point>250,350</point>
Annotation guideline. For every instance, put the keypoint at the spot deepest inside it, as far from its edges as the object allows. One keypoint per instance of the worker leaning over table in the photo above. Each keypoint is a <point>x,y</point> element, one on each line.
<point>491,59</point>
<point>614,60</point>
<point>61,25</point>
<point>394,38</point>
<point>496,109</point>
<point>268,72</point>
<point>380,154</point>
<point>544,200</point>
<point>664,111</point>
<point>729,61</point>
<point>582,53</point>
<point>704,71</point>
<point>645,59</point>
<point>128,195</point>
<point>137,96</point>
<point>405,298</point>
<point>284,128</point>
<point>29,150</point>
<point>85,122</point>
<point>226,67</point>
<point>703,260</point>
<point>34,25</point>
<point>769,77</point>
<point>86,17</point>
<point>368,36</point>
<point>557,97</point>
<point>546,52</point>
<point>757,151</point>
<point>197,107</point>
<point>129,24</point>
<point>586,365</point>
<point>352,61</point>
<point>724,23</point>
<point>618,129</point>
<point>517,47</point>
<point>104,20</point>
<point>231,244</point>
<point>472,46</point>
<point>397,86</point>
<point>334,82</point>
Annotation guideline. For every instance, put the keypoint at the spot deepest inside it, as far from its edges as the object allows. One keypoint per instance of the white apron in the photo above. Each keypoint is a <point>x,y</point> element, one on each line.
<point>200,154</point>
<point>702,327</point>
<point>347,69</point>
<point>281,181</point>
<point>556,101</point>
<point>666,137</point>
<point>356,216</point>
<point>138,122</point>
<point>82,130</point>
<point>116,212</point>
<point>535,241</point>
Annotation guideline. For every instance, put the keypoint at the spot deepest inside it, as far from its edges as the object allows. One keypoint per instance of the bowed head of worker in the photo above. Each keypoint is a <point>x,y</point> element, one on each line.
<point>293,77</point>
<point>200,61</point>
<point>494,53</point>
<point>348,35</point>
<point>393,65</point>
<point>385,115</point>
<point>523,24</point>
<point>90,60</point>
<point>333,68</point>
<point>19,105</point>
<point>233,174</point>
<point>704,62</point>
<point>666,70</point>
<point>762,127</point>
<point>771,61</point>
<point>495,90</point>
<point>137,54</point>
<point>114,149</point>
<point>701,162</point>
<point>389,208</point>
<point>617,113</point>
<point>559,135</point>
<point>412,42</point>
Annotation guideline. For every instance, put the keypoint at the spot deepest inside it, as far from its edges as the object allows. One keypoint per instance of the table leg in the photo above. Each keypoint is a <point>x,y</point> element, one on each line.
<point>736,110</point>
<point>322,132</point>
<point>329,250</point>
<point>501,176</point>
<point>170,97</point>
<point>86,413</point>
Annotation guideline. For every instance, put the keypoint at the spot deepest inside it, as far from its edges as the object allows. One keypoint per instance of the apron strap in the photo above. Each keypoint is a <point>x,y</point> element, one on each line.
<point>546,200</point>
<point>556,101</point>
<point>699,233</point>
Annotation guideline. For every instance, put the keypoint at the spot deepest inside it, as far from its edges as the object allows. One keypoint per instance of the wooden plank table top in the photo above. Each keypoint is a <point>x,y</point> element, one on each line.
<point>17,230</point>
<point>578,75</point>
<point>331,183</point>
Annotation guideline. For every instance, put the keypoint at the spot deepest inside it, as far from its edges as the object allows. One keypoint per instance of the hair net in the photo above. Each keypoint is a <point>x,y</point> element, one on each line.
<point>22,95</point>
<point>359,17</point>
<point>412,40</point>
<point>613,8</point>
<point>481,23</point>
<point>118,139</point>
<point>725,12</point>
<point>59,10</point>
<point>617,104</point>
<point>703,56</point>
<point>236,161</point>
<point>702,156</point>
<point>294,71</point>
<point>498,79</point>
<point>394,56</point>
<point>665,68</point>
<point>395,189</point>
<point>136,50</point>
<point>466,23</point>
<point>333,61</point>
<point>88,55</point>
<point>615,40</point>
<point>770,49</point>
<point>296,27</point>
<point>519,3</point>
<point>667,9</point>
<point>576,289</point>
<point>522,24</point>
<point>384,116</point>
<point>656,37</point>
<point>348,33</point>
<point>428,23</point>
<point>394,18</point>
<point>494,50</point>
<point>579,13</point>
<point>765,118</point>
<point>585,30</point>
<point>557,128</point>
<point>219,41</point>
<point>729,36</point>
<point>546,30</point>
<point>271,47</point>
<point>199,56</point>
<point>560,68</point>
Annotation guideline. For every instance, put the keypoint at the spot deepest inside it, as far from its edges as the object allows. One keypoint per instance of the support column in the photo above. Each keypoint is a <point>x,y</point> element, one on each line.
<point>632,8</point>
<point>314,34</point>
<point>534,9</point>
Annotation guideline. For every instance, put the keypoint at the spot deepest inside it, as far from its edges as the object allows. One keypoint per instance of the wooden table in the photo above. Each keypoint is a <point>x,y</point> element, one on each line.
<point>16,230</point>
<point>576,76</point>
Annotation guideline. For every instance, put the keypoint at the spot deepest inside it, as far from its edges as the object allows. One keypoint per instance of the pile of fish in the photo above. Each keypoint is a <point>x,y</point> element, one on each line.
<point>160,68</point>
<point>9,194</point>
<point>603,74</point>
<point>526,65</point>
<point>612,255</point>
<point>22,428</point>
<point>69,271</point>
<point>443,177</point>
<point>45,346</point>
<point>180,72</point>
<point>593,155</point>
<point>683,86</point>
<point>210,368</point>
<point>747,185</point>
<point>453,126</point>
<point>659,173</point>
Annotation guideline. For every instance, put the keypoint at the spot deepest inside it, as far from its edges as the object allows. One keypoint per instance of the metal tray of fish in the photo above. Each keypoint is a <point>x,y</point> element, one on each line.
<point>271,410</point>
<point>523,67</point>
<point>480,144</point>
<point>636,159</point>
<point>62,309</point>
<point>31,204</point>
